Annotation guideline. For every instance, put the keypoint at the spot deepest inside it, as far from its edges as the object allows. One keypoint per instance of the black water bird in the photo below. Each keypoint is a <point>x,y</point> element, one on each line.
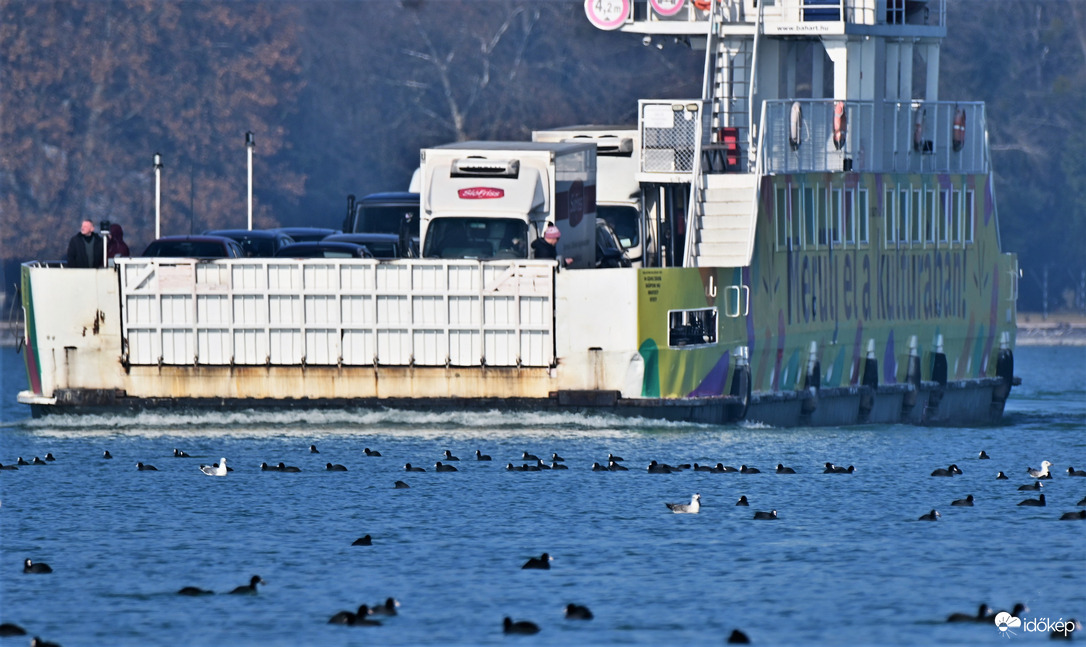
<point>931,516</point>
<point>543,563</point>
<point>1001,477</point>
<point>363,541</point>
<point>559,466</point>
<point>612,457</point>
<point>742,501</point>
<point>440,467</point>
<point>702,468</point>
<point>1036,485</point>
<point>983,456</point>
<point>555,458</point>
<point>313,449</point>
<point>264,467</point>
<point>967,501</point>
<point>596,467</point>
<point>529,457</point>
<point>106,454</point>
<point>400,485</point>
<point>1082,501</point>
<point>1073,472</point>
<point>38,461</point>
<point>837,469</point>
<point>371,452</point>
<point>449,456</point>
<point>386,608</point>
<point>177,453</point>
<point>146,468</point>
<point>617,467</point>
<point>11,629</point>
<point>49,457</point>
<point>1070,516</point>
<point>23,462</point>
<point>781,469</point>
<point>480,456</point>
<point>38,642</point>
<point>658,468</point>
<point>772,514</point>
<point>578,612</point>
<point>984,614</point>
<point>743,469</point>
<point>525,627</point>
<point>30,566</point>
<point>334,467</point>
<point>407,468</point>
<point>738,638</point>
<point>721,468</point>
<point>948,471</point>
<point>357,619</point>
<point>7,467</point>
<point>283,467</point>
<point>194,591</point>
<point>541,465</point>
<point>1069,628</point>
<point>250,588</point>
<point>1039,501</point>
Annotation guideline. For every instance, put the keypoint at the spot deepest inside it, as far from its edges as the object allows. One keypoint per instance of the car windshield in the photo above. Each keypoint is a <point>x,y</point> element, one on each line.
<point>385,219</point>
<point>479,238</point>
<point>256,247</point>
<point>624,221</point>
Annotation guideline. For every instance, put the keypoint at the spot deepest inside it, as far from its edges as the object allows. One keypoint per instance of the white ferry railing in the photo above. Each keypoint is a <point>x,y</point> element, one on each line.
<point>331,312</point>
<point>669,17</point>
<point>903,137</point>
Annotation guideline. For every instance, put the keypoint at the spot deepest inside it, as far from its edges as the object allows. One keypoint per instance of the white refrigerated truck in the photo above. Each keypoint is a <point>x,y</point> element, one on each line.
<point>492,200</point>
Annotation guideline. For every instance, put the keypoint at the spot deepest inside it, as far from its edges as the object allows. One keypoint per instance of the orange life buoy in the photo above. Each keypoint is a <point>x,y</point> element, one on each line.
<point>703,5</point>
<point>795,124</point>
<point>918,130</point>
<point>840,125</point>
<point>958,137</point>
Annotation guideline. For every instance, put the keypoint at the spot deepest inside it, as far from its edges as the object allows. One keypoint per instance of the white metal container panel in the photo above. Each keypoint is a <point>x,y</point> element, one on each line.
<point>393,310</point>
<point>141,309</point>
<point>213,346</point>
<point>177,346</point>
<point>357,278</point>
<point>321,347</point>
<point>429,310</point>
<point>393,278</point>
<point>143,346</point>
<point>464,311</point>
<point>358,347</point>
<point>285,346</point>
<point>212,277</point>
<point>321,310</point>
<point>357,311</point>
<point>465,347</point>
<point>249,277</point>
<point>250,347</point>
<point>284,277</point>
<point>213,309</point>
<point>177,309</point>
<point>431,347</point>
<point>500,311</point>
<point>250,310</point>
<point>535,348</point>
<point>429,278</point>
<point>320,277</point>
<point>394,347</point>
<point>285,310</point>
<point>500,347</point>
<point>535,311</point>
<point>464,278</point>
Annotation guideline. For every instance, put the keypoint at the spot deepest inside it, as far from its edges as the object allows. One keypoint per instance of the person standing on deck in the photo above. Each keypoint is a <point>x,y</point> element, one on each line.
<point>545,245</point>
<point>85,249</point>
<point>116,245</point>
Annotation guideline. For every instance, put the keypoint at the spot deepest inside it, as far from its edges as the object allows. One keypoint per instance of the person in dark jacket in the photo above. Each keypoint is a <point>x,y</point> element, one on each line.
<point>85,249</point>
<point>116,245</point>
<point>545,245</point>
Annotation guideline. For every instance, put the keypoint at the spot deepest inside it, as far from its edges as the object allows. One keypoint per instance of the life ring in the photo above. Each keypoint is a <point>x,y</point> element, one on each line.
<point>958,137</point>
<point>918,130</point>
<point>840,125</point>
<point>795,124</point>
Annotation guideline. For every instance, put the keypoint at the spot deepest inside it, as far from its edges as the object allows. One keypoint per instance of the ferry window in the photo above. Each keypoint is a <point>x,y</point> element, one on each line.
<point>794,215</point>
<point>863,216</point>
<point>780,216</point>
<point>903,216</point>
<point>823,226</point>
<point>956,216</point>
<point>944,214</point>
<point>849,214</point>
<point>915,219</point>
<point>691,327</point>
<point>970,216</point>
<point>835,216</point>
<point>888,224</point>
<point>929,216</point>
<point>810,216</point>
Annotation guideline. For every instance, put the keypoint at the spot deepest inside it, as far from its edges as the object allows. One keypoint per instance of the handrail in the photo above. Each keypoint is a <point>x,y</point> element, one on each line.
<point>753,80</point>
<point>695,164</point>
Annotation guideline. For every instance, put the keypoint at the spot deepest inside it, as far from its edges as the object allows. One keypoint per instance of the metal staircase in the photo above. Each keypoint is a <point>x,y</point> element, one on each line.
<point>724,220</point>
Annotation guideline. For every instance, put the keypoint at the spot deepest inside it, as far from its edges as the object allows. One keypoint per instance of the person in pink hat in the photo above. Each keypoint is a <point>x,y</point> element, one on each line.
<point>544,246</point>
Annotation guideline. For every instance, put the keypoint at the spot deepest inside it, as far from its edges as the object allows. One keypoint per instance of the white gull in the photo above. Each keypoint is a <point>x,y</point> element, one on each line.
<point>215,471</point>
<point>692,507</point>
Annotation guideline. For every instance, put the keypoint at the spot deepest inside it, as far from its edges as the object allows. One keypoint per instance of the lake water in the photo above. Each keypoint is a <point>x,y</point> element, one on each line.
<point>847,562</point>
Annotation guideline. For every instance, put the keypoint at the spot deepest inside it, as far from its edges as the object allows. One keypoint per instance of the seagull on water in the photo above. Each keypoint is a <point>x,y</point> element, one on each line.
<point>1041,473</point>
<point>215,471</point>
<point>691,508</point>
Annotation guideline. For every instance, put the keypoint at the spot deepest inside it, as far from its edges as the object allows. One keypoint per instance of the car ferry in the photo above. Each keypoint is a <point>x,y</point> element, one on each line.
<point>819,245</point>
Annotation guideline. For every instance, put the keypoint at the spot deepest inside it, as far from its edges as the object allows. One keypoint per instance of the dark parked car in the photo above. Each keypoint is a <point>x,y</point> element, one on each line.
<point>380,245</point>
<point>256,243</point>
<point>306,234</point>
<point>194,247</point>
<point>324,249</point>
<point>609,251</point>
